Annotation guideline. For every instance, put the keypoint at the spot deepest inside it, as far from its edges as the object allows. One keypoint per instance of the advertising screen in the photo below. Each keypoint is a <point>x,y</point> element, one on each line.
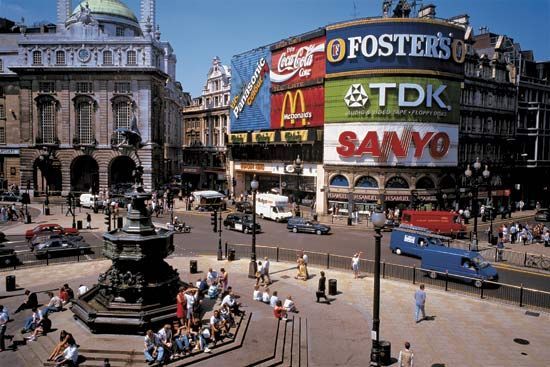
<point>389,44</point>
<point>298,63</point>
<point>395,98</point>
<point>298,108</point>
<point>250,90</point>
<point>397,144</point>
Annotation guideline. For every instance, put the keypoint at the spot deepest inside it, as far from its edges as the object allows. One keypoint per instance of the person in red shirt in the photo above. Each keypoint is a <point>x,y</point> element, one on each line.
<point>63,295</point>
<point>279,312</point>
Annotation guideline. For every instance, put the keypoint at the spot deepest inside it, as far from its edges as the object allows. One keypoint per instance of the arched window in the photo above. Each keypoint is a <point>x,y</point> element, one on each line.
<point>131,57</point>
<point>339,181</point>
<point>37,57</point>
<point>367,182</point>
<point>47,117</point>
<point>84,112</point>
<point>397,182</point>
<point>122,111</point>
<point>60,57</point>
<point>447,182</point>
<point>107,58</point>
<point>425,183</point>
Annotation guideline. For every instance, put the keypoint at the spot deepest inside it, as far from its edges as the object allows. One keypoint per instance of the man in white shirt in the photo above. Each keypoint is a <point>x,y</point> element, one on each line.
<point>55,304</point>
<point>273,300</point>
<point>165,337</point>
<point>190,297</point>
<point>82,289</point>
<point>216,325</point>
<point>153,346</point>
<point>266,270</point>
<point>212,276</point>
<point>289,305</point>
<point>70,355</point>
<point>231,302</point>
<point>32,321</point>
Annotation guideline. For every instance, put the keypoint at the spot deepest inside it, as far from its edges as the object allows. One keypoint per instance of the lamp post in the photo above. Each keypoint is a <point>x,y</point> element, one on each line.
<point>46,157</point>
<point>378,220</point>
<point>298,168</point>
<point>253,267</point>
<point>476,178</point>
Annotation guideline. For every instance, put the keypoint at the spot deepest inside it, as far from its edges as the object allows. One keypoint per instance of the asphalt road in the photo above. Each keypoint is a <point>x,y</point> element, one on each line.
<point>343,241</point>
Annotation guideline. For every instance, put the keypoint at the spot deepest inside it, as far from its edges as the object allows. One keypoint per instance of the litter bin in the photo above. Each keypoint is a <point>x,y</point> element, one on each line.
<point>46,211</point>
<point>385,352</point>
<point>349,221</point>
<point>332,288</point>
<point>78,224</point>
<point>231,255</point>
<point>10,283</point>
<point>193,267</point>
<point>119,222</point>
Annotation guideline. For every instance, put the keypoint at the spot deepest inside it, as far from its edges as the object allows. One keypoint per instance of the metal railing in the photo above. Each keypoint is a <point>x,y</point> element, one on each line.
<point>517,295</point>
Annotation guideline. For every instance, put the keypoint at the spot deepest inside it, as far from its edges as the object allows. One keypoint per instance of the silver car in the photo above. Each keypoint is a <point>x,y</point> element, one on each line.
<point>60,247</point>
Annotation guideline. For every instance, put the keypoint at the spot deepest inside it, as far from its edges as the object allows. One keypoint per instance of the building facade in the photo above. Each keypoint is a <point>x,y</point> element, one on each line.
<point>205,129</point>
<point>97,70</point>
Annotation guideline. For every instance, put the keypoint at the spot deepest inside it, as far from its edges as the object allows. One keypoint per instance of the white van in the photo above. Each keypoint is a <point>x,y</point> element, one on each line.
<point>273,206</point>
<point>208,200</point>
<point>87,200</point>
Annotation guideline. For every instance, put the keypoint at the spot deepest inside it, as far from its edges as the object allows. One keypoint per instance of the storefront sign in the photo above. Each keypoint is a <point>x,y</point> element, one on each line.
<point>298,63</point>
<point>356,197</point>
<point>191,170</point>
<point>396,98</point>
<point>298,108</point>
<point>252,166</point>
<point>399,144</point>
<point>404,198</point>
<point>263,137</point>
<point>9,151</point>
<point>294,136</point>
<point>395,44</point>
<point>238,138</point>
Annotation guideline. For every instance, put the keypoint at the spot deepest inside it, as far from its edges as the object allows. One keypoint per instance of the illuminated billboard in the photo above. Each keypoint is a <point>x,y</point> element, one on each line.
<point>298,108</point>
<point>396,144</point>
<point>250,90</point>
<point>423,44</point>
<point>298,63</point>
<point>392,98</point>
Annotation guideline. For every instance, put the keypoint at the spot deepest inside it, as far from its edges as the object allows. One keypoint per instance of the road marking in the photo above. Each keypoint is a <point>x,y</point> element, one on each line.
<point>13,242</point>
<point>508,267</point>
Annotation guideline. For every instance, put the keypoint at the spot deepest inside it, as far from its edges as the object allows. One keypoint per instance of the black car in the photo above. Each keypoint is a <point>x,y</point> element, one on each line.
<point>7,256</point>
<point>240,222</point>
<point>542,215</point>
<point>243,207</point>
<point>300,224</point>
<point>61,246</point>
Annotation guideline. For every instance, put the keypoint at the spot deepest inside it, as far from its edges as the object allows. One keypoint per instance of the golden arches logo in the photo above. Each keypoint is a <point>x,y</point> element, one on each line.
<point>336,50</point>
<point>294,115</point>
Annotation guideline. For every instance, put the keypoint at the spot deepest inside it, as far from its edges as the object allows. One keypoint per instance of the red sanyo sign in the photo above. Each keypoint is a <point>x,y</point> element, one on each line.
<point>298,63</point>
<point>298,108</point>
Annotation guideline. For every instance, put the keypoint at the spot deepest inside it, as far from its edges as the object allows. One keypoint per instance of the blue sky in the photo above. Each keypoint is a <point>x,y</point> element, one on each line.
<point>201,29</point>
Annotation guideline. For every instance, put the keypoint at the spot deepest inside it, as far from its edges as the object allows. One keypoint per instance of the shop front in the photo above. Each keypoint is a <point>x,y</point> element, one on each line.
<point>9,168</point>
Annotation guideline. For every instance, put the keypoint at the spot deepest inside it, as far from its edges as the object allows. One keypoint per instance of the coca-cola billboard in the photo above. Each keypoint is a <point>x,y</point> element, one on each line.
<point>298,63</point>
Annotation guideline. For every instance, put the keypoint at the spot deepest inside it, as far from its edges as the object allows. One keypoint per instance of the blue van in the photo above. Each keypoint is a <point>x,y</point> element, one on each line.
<point>459,263</point>
<point>410,240</point>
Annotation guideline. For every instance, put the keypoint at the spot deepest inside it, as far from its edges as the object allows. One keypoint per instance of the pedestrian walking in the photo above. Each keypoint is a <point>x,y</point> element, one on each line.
<point>266,269</point>
<point>500,249</point>
<point>88,221</point>
<point>420,302</point>
<point>406,356</point>
<point>355,264</point>
<point>3,324</point>
<point>321,289</point>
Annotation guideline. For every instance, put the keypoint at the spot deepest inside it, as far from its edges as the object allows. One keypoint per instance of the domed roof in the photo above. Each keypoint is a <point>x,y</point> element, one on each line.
<point>107,7</point>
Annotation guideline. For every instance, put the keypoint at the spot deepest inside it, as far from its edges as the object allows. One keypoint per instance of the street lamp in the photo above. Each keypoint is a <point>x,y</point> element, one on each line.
<point>298,168</point>
<point>46,157</point>
<point>378,220</point>
<point>476,178</point>
<point>252,268</point>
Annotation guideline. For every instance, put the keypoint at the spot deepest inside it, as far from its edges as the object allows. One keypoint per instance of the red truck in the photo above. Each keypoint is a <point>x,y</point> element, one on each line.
<point>442,222</point>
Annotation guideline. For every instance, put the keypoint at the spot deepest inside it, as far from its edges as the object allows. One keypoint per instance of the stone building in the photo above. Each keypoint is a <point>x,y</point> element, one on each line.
<point>98,69</point>
<point>205,129</point>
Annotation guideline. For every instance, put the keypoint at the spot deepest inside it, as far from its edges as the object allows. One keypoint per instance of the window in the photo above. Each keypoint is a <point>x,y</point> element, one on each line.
<point>340,181</point>
<point>397,182</point>
<point>84,122</point>
<point>122,87</point>
<point>60,57</point>
<point>2,135</point>
<point>46,113</point>
<point>425,183</point>
<point>132,58</point>
<point>367,182</point>
<point>84,87</point>
<point>119,32</point>
<point>2,112</point>
<point>107,58</point>
<point>46,87</point>
<point>121,111</point>
<point>37,58</point>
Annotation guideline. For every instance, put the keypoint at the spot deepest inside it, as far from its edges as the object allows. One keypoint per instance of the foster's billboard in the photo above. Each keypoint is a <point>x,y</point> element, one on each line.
<point>388,43</point>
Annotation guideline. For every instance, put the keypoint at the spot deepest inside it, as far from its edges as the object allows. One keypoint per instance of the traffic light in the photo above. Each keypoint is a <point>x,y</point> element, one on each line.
<point>214,220</point>
<point>108,219</point>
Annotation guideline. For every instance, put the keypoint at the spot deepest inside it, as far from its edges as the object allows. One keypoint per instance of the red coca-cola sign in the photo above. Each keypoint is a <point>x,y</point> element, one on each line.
<point>298,63</point>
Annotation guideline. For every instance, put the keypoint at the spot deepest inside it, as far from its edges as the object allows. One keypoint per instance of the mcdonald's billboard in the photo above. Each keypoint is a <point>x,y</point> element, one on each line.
<point>298,108</point>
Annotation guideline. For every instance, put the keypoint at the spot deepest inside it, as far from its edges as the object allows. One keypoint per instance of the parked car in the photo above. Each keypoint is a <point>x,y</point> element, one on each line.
<point>42,238</point>
<point>542,215</point>
<point>243,207</point>
<point>10,196</point>
<point>300,224</point>
<point>51,227</point>
<point>61,246</point>
<point>240,222</point>
<point>7,256</point>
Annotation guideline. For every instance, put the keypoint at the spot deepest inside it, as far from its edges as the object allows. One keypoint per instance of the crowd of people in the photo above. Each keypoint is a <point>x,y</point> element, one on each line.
<point>525,233</point>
